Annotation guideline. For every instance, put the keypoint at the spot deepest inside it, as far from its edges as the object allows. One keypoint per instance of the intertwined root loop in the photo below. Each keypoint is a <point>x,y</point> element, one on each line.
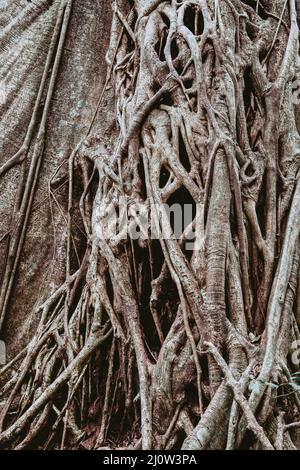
<point>183,340</point>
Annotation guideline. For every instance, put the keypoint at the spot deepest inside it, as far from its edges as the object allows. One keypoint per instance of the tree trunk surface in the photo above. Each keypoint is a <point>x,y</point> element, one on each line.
<point>150,222</point>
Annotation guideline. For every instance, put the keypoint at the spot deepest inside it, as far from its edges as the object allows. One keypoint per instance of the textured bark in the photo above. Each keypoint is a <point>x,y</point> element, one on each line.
<point>149,344</point>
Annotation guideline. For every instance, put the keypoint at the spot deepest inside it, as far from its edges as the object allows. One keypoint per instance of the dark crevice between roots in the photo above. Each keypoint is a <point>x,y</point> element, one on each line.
<point>183,200</point>
<point>256,7</point>
<point>183,155</point>
<point>194,20</point>
<point>160,46</point>
<point>164,177</point>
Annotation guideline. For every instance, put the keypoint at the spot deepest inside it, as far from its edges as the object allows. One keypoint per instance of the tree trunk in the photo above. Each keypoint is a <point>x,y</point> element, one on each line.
<point>150,219</point>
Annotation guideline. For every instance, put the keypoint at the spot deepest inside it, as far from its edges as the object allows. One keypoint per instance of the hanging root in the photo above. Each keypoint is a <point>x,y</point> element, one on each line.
<point>205,119</point>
